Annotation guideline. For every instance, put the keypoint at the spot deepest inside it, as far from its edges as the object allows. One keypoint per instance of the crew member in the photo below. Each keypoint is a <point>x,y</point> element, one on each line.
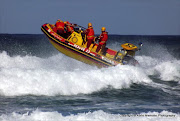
<point>89,34</point>
<point>53,28</point>
<point>69,28</point>
<point>60,27</point>
<point>102,40</point>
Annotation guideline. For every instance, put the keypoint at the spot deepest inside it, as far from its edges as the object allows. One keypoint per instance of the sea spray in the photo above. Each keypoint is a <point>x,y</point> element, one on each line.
<point>33,75</point>
<point>166,70</point>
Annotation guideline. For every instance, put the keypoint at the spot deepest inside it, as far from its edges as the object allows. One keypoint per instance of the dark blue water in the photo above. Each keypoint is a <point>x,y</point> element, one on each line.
<point>39,83</point>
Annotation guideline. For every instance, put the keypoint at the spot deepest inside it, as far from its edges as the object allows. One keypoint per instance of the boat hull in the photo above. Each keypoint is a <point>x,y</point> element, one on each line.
<point>77,52</point>
<point>76,55</point>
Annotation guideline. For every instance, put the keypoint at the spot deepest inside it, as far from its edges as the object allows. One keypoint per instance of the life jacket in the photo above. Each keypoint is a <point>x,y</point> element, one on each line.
<point>90,33</point>
<point>54,29</point>
<point>59,25</point>
<point>103,38</point>
<point>69,27</point>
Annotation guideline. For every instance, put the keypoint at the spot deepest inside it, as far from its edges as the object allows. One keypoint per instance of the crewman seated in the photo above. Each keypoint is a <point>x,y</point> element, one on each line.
<point>60,27</point>
<point>53,27</point>
<point>69,28</point>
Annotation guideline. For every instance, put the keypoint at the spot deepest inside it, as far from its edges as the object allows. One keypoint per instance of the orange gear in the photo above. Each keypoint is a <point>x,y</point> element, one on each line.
<point>59,20</point>
<point>89,25</point>
<point>59,25</point>
<point>90,33</point>
<point>65,22</point>
<point>103,29</point>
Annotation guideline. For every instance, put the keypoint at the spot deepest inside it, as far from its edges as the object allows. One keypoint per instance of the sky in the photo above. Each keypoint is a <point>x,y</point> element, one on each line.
<point>122,17</point>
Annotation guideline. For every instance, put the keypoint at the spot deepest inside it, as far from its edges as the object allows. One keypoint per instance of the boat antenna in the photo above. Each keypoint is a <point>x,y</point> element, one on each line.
<point>140,45</point>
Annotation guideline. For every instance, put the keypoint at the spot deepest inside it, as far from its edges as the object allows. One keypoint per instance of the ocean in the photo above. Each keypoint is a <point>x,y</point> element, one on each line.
<point>38,83</point>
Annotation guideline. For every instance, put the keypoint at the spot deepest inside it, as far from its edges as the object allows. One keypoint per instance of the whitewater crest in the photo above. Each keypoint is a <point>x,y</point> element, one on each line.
<point>37,76</point>
<point>99,115</point>
<point>166,70</point>
<point>61,75</point>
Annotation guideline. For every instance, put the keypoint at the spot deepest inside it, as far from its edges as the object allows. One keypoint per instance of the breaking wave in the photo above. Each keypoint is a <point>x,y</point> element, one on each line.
<point>168,70</point>
<point>61,75</point>
<point>100,115</point>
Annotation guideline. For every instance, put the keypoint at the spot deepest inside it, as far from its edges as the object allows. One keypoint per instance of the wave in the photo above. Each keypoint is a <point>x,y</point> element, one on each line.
<point>166,70</point>
<point>61,75</point>
<point>99,115</point>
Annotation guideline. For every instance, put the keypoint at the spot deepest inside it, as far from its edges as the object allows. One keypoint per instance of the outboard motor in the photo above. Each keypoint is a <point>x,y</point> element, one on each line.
<point>130,53</point>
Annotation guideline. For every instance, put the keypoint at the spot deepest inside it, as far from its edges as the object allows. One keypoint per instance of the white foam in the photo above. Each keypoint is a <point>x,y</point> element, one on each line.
<point>168,70</point>
<point>61,75</point>
<point>100,115</point>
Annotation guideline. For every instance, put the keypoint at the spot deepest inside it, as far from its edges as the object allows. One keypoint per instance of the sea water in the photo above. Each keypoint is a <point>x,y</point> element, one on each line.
<point>38,83</point>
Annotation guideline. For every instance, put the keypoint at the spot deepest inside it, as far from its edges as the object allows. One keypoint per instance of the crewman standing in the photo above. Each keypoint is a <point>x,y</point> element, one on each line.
<point>102,40</point>
<point>60,27</point>
<point>89,35</point>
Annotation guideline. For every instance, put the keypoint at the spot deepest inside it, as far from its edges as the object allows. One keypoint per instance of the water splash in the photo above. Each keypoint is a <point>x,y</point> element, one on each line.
<point>55,75</point>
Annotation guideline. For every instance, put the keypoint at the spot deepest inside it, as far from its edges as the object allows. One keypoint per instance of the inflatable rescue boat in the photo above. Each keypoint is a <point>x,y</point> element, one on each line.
<point>75,44</point>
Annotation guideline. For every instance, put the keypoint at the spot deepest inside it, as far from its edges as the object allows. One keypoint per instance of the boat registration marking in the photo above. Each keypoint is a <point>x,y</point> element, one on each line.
<point>81,48</point>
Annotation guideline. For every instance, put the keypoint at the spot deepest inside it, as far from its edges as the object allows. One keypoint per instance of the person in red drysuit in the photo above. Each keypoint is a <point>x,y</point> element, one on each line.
<point>102,40</point>
<point>53,28</point>
<point>69,28</point>
<point>60,27</point>
<point>89,34</point>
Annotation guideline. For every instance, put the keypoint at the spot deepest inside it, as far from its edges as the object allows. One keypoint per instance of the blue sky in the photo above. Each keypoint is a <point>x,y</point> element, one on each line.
<point>123,17</point>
